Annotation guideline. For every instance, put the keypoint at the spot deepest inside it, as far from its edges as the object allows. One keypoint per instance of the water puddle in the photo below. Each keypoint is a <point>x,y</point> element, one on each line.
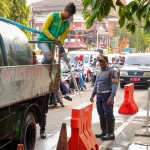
<point>138,146</point>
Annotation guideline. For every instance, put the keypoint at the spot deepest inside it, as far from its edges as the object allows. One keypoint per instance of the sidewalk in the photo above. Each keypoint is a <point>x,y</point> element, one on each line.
<point>126,128</point>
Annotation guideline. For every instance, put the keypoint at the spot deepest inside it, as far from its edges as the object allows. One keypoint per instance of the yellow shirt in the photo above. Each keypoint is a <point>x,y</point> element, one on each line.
<point>48,23</point>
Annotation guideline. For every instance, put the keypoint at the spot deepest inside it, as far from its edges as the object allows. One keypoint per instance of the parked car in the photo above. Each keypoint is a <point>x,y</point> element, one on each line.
<point>136,70</point>
<point>88,59</point>
<point>110,56</point>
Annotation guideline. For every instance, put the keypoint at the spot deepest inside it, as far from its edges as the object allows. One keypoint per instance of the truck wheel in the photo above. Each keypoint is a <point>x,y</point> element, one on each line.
<point>28,136</point>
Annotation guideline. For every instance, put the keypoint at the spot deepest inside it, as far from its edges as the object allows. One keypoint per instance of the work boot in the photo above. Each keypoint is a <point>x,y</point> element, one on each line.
<point>42,134</point>
<point>103,127</point>
<point>110,135</point>
<point>42,125</point>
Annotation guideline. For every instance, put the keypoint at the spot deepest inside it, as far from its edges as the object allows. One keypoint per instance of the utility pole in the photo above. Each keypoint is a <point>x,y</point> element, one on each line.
<point>32,21</point>
<point>97,36</point>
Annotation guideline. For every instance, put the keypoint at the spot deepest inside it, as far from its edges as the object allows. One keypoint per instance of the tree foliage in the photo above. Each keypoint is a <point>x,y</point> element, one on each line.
<point>16,10</point>
<point>138,39</point>
<point>4,8</point>
<point>100,9</point>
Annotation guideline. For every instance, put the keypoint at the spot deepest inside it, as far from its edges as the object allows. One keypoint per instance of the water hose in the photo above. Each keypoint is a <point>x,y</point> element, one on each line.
<point>20,25</point>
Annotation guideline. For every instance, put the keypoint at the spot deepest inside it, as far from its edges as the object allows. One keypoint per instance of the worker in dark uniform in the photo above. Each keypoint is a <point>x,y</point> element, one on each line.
<point>105,88</point>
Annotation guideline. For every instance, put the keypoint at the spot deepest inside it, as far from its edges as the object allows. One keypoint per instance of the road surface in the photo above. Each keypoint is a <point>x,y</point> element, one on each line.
<point>126,126</point>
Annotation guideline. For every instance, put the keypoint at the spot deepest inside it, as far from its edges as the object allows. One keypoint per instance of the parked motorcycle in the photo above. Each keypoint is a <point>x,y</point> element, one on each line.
<point>73,86</point>
<point>67,76</point>
<point>94,72</point>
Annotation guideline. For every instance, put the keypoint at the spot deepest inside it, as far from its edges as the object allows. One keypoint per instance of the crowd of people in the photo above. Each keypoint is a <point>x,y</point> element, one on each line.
<point>115,62</point>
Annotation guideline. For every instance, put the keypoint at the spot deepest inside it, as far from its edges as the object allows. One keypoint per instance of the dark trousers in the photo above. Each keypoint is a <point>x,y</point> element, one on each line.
<point>53,98</point>
<point>103,108</point>
<point>43,104</point>
<point>64,90</point>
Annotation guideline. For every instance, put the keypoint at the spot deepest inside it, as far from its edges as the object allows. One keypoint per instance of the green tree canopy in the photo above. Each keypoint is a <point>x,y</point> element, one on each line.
<point>4,8</point>
<point>100,9</point>
<point>16,10</point>
<point>137,40</point>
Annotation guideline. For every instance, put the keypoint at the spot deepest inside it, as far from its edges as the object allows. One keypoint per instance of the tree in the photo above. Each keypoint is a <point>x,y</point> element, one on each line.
<point>20,13</point>
<point>4,8</point>
<point>138,39</point>
<point>17,10</point>
<point>101,8</point>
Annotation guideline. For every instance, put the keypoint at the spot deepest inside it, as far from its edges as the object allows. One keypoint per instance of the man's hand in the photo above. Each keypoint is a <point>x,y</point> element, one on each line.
<point>56,41</point>
<point>110,101</point>
<point>92,99</point>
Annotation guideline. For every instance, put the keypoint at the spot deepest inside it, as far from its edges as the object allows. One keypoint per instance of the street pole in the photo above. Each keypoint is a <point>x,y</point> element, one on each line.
<point>97,35</point>
<point>32,21</point>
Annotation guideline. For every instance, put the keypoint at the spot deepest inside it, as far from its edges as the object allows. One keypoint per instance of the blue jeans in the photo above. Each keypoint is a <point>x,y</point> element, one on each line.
<point>81,79</point>
<point>44,47</point>
<point>103,108</point>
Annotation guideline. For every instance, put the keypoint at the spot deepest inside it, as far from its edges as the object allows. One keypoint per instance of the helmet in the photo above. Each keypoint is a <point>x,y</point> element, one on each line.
<point>81,56</point>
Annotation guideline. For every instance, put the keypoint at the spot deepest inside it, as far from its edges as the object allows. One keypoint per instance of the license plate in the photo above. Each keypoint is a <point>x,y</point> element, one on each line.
<point>135,79</point>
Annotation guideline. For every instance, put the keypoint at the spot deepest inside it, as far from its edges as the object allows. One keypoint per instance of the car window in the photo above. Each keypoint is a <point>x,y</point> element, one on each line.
<point>86,58</point>
<point>71,57</point>
<point>138,60</point>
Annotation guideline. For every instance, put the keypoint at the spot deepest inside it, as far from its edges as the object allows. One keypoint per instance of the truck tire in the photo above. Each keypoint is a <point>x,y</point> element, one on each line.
<point>28,133</point>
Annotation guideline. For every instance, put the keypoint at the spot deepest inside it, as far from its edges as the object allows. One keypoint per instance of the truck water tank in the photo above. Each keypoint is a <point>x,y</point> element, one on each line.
<point>14,46</point>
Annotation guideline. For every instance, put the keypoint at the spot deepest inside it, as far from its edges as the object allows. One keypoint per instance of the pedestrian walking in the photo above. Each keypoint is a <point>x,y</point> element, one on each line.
<point>105,88</point>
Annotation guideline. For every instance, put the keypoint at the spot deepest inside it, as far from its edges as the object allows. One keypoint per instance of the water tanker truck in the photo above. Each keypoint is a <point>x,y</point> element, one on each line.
<point>24,89</point>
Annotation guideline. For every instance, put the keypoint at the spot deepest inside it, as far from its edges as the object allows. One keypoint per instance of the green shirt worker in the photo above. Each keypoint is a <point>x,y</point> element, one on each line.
<point>55,28</point>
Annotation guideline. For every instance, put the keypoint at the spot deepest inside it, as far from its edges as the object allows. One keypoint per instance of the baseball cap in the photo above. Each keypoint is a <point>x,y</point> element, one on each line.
<point>103,58</point>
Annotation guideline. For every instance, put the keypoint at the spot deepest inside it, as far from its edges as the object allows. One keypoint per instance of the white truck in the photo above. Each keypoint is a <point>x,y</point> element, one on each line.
<point>103,51</point>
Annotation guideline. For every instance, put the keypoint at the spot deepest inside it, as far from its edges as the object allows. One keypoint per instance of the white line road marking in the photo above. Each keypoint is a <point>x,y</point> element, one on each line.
<point>119,130</point>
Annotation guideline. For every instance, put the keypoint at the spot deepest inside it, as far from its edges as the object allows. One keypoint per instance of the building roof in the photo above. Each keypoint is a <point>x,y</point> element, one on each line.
<point>54,5</point>
<point>76,45</point>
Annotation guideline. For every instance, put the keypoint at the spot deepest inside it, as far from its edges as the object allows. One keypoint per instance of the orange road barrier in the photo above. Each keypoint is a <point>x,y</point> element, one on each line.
<point>62,142</point>
<point>82,137</point>
<point>20,147</point>
<point>129,106</point>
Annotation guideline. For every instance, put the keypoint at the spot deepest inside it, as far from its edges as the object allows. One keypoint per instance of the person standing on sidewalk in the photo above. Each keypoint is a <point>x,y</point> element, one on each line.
<point>105,88</point>
<point>55,28</point>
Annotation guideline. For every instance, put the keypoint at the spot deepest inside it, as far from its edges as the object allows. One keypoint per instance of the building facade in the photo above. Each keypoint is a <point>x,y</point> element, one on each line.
<point>99,35</point>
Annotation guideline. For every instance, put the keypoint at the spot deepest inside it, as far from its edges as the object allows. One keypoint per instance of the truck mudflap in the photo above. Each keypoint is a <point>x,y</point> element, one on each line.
<point>20,83</point>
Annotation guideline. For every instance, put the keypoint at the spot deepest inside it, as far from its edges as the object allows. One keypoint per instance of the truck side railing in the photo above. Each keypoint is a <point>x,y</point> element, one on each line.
<point>49,42</point>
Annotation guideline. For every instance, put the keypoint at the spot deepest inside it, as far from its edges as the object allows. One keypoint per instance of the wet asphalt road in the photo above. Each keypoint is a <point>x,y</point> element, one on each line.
<point>126,126</point>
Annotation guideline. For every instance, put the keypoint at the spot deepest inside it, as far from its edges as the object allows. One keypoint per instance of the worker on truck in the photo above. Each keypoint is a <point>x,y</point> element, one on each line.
<point>56,26</point>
